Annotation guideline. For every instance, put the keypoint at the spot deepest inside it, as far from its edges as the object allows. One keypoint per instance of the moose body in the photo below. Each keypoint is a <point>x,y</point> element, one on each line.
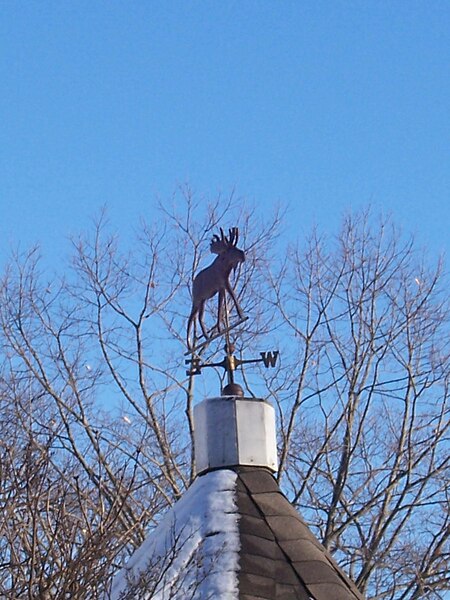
<point>215,279</point>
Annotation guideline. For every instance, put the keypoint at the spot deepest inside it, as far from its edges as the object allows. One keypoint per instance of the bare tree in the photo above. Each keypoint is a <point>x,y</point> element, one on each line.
<point>96,431</point>
<point>71,490</point>
<point>364,405</point>
<point>96,409</point>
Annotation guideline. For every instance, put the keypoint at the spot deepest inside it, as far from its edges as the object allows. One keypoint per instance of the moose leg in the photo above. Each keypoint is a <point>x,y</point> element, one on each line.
<point>191,321</point>
<point>201,311</point>
<point>220,309</point>
<point>236,303</point>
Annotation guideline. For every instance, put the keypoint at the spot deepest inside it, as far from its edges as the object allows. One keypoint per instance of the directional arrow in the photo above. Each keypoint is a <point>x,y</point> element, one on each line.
<point>230,362</point>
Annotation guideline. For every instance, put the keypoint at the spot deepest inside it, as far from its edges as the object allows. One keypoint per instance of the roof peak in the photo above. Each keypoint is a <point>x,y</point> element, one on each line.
<point>234,536</point>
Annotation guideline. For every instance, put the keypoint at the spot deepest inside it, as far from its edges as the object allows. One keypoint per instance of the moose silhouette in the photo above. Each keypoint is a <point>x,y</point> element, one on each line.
<point>215,279</point>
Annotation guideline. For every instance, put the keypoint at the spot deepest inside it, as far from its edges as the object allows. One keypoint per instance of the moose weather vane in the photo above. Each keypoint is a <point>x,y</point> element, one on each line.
<point>215,279</point>
<point>211,281</point>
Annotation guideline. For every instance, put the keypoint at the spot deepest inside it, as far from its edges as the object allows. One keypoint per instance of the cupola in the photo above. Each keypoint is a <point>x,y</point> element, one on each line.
<point>232,431</point>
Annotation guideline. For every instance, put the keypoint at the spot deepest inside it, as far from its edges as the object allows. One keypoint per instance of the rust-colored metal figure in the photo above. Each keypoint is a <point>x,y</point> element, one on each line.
<point>215,279</point>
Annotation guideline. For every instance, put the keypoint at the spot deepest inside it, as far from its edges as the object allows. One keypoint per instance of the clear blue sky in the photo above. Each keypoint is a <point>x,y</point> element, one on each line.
<point>320,105</point>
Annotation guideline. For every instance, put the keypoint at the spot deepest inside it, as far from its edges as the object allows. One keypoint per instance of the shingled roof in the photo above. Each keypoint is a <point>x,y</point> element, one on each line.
<point>233,535</point>
<point>279,556</point>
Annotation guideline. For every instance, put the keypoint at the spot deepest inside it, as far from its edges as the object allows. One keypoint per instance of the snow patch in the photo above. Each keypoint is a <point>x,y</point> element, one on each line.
<point>194,551</point>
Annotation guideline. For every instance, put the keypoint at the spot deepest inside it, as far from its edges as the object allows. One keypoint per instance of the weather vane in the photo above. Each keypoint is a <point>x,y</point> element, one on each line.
<point>215,279</point>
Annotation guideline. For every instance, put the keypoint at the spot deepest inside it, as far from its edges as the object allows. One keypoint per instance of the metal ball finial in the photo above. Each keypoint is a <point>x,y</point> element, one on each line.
<point>233,389</point>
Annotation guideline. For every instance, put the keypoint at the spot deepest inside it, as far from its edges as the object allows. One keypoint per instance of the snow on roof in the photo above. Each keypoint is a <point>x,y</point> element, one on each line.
<point>194,551</point>
<point>232,535</point>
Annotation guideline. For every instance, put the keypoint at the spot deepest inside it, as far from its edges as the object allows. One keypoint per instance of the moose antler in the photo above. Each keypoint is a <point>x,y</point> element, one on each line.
<point>224,243</point>
<point>234,236</point>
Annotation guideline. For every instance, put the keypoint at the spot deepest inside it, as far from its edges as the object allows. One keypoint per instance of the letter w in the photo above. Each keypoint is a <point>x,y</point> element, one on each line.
<point>269,358</point>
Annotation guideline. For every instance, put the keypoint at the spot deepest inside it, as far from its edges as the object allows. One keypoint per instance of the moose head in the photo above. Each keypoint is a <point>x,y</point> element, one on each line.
<point>215,279</point>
